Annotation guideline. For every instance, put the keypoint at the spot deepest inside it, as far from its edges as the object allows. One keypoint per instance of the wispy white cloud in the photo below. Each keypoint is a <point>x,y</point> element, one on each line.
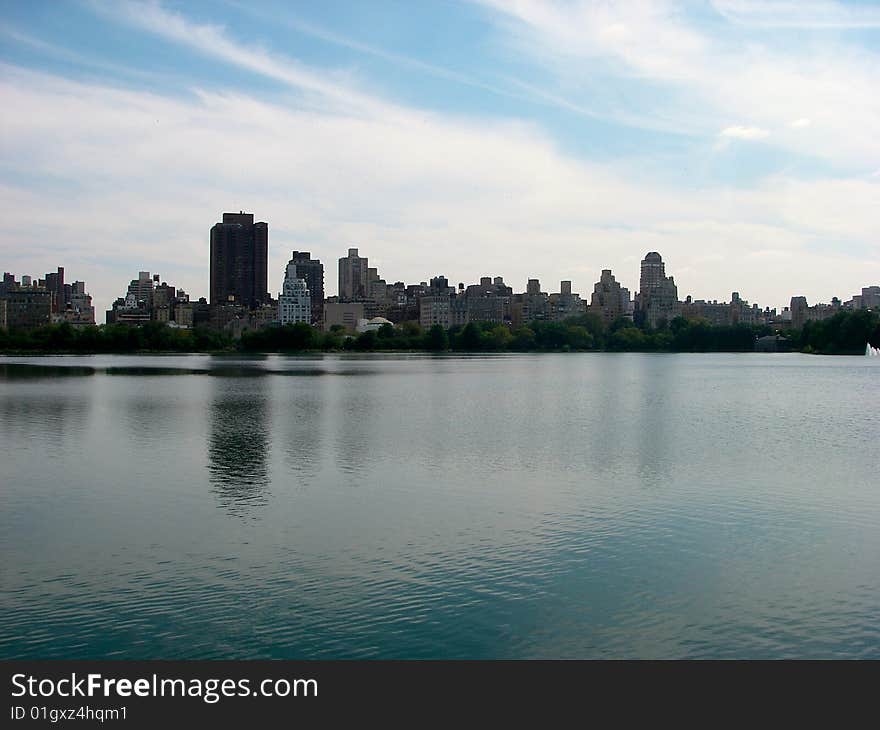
<point>801,123</point>
<point>54,51</point>
<point>214,42</point>
<point>815,14</point>
<point>738,132</point>
<point>315,31</point>
<point>698,74</point>
<point>648,38</point>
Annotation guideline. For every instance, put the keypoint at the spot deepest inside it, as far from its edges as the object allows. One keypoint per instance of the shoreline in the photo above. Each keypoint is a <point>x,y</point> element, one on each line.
<point>294,353</point>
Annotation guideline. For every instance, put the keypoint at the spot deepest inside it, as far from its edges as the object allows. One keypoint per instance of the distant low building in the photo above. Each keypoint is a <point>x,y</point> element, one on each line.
<point>773,343</point>
<point>67,302</point>
<point>78,309</point>
<point>801,312</point>
<point>610,300</point>
<point>27,307</point>
<point>530,306</point>
<point>372,325</point>
<point>148,300</point>
<point>344,314</point>
<point>868,299</point>
<point>565,304</point>
<point>436,309</point>
<point>488,301</point>
<point>715,313</point>
<point>238,320</point>
<point>737,311</point>
<point>662,305</point>
<point>189,314</point>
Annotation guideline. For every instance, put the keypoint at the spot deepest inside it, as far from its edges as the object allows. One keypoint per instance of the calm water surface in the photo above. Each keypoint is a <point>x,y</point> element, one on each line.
<point>594,505</point>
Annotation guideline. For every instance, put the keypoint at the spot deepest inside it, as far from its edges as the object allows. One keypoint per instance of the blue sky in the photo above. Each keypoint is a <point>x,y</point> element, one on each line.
<point>522,138</point>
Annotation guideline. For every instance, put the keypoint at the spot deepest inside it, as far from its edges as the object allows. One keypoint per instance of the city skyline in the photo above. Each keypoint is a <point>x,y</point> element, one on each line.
<point>546,139</point>
<point>239,300</point>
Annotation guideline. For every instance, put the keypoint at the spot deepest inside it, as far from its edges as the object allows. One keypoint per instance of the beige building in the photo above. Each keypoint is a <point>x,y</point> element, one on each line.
<point>435,309</point>
<point>609,299</point>
<point>345,314</point>
<point>353,270</point>
<point>183,314</point>
<point>801,312</point>
<point>714,312</point>
<point>565,304</point>
<point>661,304</point>
<point>657,300</point>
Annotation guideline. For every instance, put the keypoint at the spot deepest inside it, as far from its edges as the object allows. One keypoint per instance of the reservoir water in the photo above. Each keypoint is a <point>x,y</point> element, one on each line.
<point>415,506</point>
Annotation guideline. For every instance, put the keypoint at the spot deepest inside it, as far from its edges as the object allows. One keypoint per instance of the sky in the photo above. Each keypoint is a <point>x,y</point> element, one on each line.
<point>544,139</point>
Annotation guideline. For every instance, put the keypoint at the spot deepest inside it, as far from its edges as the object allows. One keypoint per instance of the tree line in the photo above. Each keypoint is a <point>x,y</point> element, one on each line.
<point>844,333</point>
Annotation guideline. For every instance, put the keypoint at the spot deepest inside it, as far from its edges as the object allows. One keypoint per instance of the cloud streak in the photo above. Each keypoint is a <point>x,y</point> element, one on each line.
<point>808,14</point>
<point>750,133</point>
<point>212,41</point>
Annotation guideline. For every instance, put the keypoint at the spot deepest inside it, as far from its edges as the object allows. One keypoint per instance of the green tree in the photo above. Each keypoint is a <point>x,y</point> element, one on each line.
<point>498,338</point>
<point>470,338</point>
<point>437,340</point>
<point>523,339</point>
<point>627,339</point>
<point>366,341</point>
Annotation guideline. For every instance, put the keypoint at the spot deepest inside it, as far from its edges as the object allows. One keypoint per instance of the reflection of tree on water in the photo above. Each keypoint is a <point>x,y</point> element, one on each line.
<point>54,414</point>
<point>238,445</point>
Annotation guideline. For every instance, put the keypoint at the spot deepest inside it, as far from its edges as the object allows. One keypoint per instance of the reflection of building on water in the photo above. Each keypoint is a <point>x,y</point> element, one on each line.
<point>238,445</point>
<point>658,402</point>
<point>355,433</point>
<point>301,421</point>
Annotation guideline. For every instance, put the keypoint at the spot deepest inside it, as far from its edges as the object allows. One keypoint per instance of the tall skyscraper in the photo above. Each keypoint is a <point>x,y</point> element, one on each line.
<point>653,272</point>
<point>798,308</point>
<point>352,276</point>
<point>294,303</point>
<point>239,260</point>
<point>657,300</point>
<point>312,271</point>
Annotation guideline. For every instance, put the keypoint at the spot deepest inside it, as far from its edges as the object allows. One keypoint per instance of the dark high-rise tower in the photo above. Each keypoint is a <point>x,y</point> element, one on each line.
<point>239,260</point>
<point>312,270</point>
<point>55,284</point>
